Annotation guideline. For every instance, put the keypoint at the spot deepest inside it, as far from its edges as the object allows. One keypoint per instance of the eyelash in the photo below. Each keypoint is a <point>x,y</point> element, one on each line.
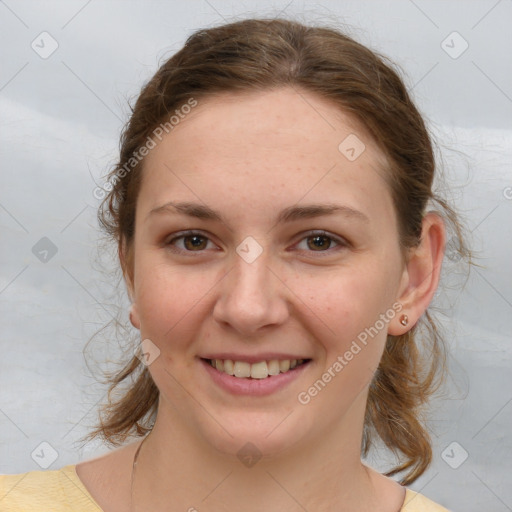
<point>341,243</point>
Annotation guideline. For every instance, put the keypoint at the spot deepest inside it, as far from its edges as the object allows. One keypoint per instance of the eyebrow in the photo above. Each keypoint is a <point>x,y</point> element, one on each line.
<point>292,213</point>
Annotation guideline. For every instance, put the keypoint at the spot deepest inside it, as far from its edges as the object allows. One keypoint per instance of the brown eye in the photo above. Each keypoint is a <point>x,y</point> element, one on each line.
<point>190,242</point>
<point>195,242</point>
<point>319,242</point>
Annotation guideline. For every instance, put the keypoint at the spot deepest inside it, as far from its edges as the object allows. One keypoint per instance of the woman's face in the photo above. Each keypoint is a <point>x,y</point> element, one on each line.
<point>283,245</point>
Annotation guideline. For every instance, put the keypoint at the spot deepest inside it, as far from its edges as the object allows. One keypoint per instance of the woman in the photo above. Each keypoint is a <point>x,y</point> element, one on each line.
<point>271,207</point>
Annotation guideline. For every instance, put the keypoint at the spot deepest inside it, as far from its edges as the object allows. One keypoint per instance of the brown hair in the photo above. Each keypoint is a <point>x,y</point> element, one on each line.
<point>257,55</point>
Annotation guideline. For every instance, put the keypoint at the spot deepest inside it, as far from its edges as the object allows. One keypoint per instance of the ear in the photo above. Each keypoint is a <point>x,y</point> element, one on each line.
<point>126,263</point>
<point>134,316</point>
<point>421,274</point>
<point>127,268</point>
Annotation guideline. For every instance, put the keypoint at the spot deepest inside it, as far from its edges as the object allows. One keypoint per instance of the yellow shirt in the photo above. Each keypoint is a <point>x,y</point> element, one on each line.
<point>62,491</point>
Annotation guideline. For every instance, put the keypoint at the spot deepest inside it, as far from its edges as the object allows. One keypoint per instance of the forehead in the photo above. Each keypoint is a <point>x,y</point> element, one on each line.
<point>276,120</point>
<point>285,143</point>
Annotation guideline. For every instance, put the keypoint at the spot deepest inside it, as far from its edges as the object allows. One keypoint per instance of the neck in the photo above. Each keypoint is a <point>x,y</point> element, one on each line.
<point>177,471</point>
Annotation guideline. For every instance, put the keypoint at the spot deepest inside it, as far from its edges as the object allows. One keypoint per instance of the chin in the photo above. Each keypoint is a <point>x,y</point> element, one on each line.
<point>257,436</point>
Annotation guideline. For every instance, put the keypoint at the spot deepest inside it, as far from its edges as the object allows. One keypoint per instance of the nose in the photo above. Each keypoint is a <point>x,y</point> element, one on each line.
<point>252,297</point>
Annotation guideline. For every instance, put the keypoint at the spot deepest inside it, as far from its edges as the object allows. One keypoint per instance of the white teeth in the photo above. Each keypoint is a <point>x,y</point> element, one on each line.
<point>284,366</point>
<point>228,367</point>
<point>242,369</point>
<point>260,370</point>
<point>273,367</point>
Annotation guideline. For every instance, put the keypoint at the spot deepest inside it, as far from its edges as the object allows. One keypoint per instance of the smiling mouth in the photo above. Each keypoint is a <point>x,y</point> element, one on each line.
<point>260,370</point>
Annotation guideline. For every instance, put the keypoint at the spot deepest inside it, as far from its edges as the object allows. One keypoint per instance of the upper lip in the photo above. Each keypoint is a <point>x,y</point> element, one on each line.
<point>265,356</point>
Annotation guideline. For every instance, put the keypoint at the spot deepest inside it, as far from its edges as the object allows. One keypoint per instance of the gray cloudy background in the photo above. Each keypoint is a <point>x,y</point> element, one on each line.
<point>60,119</point>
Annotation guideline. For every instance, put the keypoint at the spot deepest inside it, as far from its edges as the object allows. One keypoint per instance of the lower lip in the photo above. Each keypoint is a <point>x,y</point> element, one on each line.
<point>254,387</point>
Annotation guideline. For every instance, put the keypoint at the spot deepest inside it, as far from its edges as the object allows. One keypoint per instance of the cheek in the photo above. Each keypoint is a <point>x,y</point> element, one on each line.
<point>169,300</point>
<point>343,317</point>
<point>351,307</point>
<point>348,302</point>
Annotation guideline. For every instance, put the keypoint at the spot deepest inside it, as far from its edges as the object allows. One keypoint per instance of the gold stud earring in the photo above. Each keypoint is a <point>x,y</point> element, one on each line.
<point>404,320</point>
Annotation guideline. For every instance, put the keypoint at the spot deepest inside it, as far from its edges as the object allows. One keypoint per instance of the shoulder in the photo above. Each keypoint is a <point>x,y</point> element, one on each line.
<point>57,490</point>
<point>416,502</point>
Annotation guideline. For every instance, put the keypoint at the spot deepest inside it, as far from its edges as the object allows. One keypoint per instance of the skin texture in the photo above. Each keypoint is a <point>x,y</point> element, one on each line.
<point>248,157</point>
